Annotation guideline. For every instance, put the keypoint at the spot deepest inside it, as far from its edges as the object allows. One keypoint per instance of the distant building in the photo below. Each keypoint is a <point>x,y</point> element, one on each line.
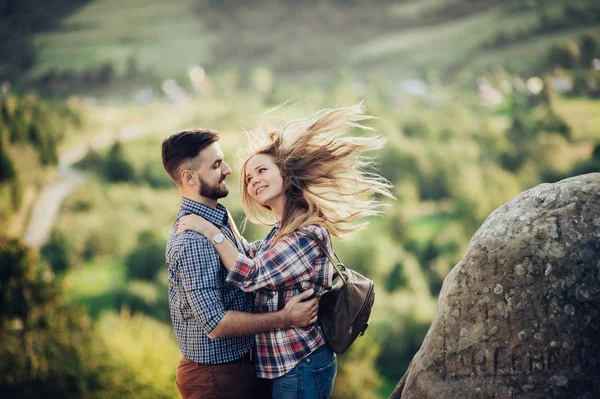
<point>4,88</point>
<point>488,94</point>
<point>414,87</point>
<point>144,95</point>
<point>173,92</point>
<point>561,84</point>
<point>535,85</point>
<point>198,78</point>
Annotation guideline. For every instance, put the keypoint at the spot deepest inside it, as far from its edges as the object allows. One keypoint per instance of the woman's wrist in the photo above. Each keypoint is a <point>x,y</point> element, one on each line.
<point>206,229</point>
<point>211,231</point>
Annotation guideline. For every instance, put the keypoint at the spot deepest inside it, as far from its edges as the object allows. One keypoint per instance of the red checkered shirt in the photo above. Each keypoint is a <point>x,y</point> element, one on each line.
<point>296,260</point>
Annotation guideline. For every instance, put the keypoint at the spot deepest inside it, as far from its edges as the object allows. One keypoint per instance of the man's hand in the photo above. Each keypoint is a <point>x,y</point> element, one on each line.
<point>301,314</point>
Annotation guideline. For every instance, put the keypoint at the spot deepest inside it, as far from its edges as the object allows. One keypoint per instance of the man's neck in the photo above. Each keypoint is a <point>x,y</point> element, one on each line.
<point>202,200</point>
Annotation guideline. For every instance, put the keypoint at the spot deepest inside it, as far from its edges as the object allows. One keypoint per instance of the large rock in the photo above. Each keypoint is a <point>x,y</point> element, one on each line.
<point>518,317</point>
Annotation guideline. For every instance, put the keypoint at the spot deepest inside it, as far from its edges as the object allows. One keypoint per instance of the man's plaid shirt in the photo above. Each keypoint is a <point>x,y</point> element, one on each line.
<point>268,267</point>
<point>199,297</point>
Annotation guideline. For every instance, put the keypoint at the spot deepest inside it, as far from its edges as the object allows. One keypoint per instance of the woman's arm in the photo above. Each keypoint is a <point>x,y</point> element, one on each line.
<point>227,252</point>
<point>249,247</point>
<point>289,261</point>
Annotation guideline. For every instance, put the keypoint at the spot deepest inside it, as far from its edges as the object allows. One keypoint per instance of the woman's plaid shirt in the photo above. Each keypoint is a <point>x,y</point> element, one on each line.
<point>268,267</point>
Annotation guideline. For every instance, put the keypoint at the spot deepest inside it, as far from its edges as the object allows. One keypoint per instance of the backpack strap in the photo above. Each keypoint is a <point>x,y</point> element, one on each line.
<point>338,266</point>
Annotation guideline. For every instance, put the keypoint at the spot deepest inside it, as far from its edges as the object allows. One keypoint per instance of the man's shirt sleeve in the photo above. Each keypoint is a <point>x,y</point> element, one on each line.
<point>289,261</point>
<point>199,267</point>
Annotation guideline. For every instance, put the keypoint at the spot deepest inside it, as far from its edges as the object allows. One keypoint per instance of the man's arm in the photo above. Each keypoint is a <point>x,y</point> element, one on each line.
<point>295,314</point>
<point>199,266</point>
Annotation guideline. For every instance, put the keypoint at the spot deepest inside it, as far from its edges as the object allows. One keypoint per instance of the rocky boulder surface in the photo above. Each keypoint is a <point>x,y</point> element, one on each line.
<point>519,316</point>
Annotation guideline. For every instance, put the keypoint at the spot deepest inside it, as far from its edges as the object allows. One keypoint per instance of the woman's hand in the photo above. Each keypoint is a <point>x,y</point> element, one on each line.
<point>195,223</point>
<point>225,249</point>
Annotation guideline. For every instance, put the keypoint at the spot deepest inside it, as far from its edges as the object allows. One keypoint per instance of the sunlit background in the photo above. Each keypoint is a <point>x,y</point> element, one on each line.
<point>479,100</point>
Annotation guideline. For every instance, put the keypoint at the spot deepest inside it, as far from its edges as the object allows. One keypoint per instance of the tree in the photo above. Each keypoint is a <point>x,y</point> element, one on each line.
<point>106,74</point>
<point>565,54</point>
<point>56,252</point>
<point>47,149</point>
<point>590,48</point>
<point>148,257</point>
<point>44,341</point>
<point>133,69</point>
<point>552,122</point>
<point>592,165</point>
<point>547,94</point>
<point>521,138</point>
<point>357,370</point>
<point>7,169</point>
<point>117,167</point>
<point>596,153</point>
<point>395,280</point>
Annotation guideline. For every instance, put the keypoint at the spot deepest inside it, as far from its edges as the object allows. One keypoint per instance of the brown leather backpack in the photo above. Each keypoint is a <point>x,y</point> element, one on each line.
<point>345,309</point>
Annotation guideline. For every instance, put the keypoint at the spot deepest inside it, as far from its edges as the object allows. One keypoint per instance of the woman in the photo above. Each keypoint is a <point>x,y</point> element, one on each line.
<point>308,176</point>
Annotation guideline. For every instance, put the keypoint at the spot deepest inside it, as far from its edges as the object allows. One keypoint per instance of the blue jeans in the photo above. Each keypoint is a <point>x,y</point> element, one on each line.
<point>312,378</point>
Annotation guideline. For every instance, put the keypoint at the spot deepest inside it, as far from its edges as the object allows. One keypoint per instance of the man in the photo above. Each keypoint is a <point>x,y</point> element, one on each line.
<point>213,320</point>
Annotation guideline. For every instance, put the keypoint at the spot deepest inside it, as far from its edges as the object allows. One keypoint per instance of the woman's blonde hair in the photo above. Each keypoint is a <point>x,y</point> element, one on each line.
<point>326,179</point>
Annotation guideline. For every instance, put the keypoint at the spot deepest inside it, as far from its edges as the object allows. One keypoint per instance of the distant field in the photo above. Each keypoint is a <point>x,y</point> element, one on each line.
<point>424,228</point>
<point>94,286</point>
<point>413,9</point>
<point>518,56</point>
<point>164,36</point>
<point>583,116</point>
<point>305,40</point>
<point>440,45</point>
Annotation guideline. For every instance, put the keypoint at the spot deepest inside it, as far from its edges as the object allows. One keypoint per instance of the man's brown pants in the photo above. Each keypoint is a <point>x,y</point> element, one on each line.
<point>223,381</point>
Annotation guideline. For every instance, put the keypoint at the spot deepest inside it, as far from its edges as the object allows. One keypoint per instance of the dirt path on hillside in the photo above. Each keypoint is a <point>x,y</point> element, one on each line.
<point>47,206</point>
<point>48,203</point>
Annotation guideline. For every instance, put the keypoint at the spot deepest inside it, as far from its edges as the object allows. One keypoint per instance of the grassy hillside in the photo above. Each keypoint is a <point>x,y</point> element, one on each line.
<point>162,35</point>
<point>308,39</point>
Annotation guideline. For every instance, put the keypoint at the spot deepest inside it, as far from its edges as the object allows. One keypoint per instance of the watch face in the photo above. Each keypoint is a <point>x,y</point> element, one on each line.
<point>218,238</point>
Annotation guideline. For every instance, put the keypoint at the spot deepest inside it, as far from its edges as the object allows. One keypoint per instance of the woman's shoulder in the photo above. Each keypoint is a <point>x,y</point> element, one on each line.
<point>317,229</point>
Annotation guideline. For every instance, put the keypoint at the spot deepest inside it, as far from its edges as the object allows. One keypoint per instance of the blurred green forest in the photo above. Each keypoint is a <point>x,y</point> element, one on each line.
<point>479,100</point>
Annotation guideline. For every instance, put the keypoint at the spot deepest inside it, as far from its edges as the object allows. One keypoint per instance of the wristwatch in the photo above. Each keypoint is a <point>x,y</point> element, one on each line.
<point>218,238</point>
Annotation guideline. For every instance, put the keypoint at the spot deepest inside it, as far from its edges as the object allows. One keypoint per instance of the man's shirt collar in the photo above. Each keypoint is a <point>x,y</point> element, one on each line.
<point>217,216</point>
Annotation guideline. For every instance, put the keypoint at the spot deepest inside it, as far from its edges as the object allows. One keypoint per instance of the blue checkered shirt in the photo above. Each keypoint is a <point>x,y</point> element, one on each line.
<point>199,297</point>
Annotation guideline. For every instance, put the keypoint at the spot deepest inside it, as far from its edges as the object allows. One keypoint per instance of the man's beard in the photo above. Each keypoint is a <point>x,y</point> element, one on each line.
<point>212,192</point>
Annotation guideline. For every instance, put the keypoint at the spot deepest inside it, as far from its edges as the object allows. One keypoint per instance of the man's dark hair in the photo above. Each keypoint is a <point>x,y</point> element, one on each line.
<point>183,146</point>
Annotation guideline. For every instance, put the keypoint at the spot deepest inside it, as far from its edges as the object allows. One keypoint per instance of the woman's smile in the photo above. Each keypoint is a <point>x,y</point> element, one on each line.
<point>263,182</point>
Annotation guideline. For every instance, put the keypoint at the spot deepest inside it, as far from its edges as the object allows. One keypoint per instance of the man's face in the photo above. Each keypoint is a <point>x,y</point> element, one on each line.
<point>212,173</point>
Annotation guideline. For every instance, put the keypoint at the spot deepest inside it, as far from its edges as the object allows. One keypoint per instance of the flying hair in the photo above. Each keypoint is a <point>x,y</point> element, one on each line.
<point>327,178</point>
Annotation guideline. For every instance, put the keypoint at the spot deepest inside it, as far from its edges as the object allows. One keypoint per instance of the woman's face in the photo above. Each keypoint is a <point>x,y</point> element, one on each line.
<point>263,180</point>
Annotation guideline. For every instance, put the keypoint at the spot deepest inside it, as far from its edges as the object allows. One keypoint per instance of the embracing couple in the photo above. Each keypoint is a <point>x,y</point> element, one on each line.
<point>245,314</point>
